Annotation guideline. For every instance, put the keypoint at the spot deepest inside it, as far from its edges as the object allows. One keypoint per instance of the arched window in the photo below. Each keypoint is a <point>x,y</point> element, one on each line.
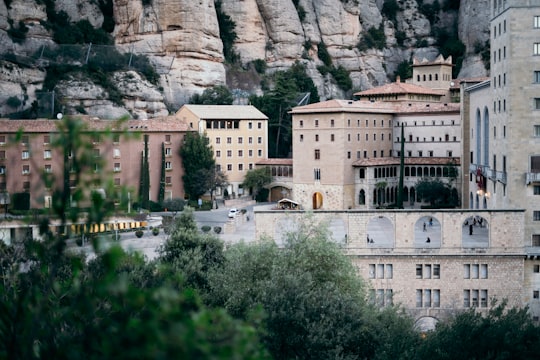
<point>438,171</point>
<point>362,173</point>
<point>407,171</point>
<point>362,197</point>
<point>432,171</point>
<point>413,171</point>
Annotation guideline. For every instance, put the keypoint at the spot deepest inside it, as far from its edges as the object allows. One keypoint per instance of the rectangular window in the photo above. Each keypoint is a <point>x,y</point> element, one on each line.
<point>348,154</point>
<point>427,271</point>
<point>26,169</point>
<point>229,140</point>
<point>250,153</point>
<point>168,151</point>
<point>250,125</point>
<point>250,166</point>
<point>46,154</point>
<point>316,123</point>
<point>240,140</point>
<point>218,153</point>
<point>259,140</point>
<point>332,123</point>
<point>418,271</point>
<point>24,140</point>
<point>240,167</point>
<point>484,298</point>
<point>26,185</point>
<point>259,153</point>
<point>167,138</point>
<point>168,180</point>
<point>48,169</point>
<point>536,78</point>
<point>317,154</point>
<point>536,268</point>
<point>427,298</point>
<point>332,137</point>
<point>536,22</point>
<point>46,139</point>
<point>436,297</point>
<point>259,125</point>
<point>168,165</point>
<point>301,123</point>
<point>2,154</point>
<point>474,298</point>
<point>536,240</point>
<point>317,174</point>
<point>240,153</point>
<point>116,182</point>
<point>483,271</point>
<point>301,138</point>
<point>229,167</point>
<point>380,271</point>
<point>116,167</point>
<point>116,153</point>
<point>218,140</point>
<point>372,271</point>
<point>250,140</point>
<point>536,49</point>
<point>229,153</point>
<point>474,271</point>
<point>418,298</point>
<point>389,271</point>
<point>25,154</point>
<point>2,169</point>
<point>536,103</point>
<point>436,271</point>
<point>466,271</point>
<point>466,298</point>
<point>536,215</point>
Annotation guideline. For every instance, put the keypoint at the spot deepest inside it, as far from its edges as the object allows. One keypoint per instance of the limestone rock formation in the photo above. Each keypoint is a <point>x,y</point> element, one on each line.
<point>182,40</point>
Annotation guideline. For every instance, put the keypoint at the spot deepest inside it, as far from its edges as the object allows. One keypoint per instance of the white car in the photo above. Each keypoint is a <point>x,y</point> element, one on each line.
<point>232,213</point>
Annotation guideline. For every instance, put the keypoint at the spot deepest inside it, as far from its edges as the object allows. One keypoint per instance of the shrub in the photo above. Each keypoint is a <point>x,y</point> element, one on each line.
<point>341,75</point>
<point>206,228</point>
<point>374,38</point>
<point>176,204</point>
<point>139,233</point>
<point>259,65</point>
<point>217,229</point>
<point>13,101</point>
<point>155,231</point>
<point>323,54</point>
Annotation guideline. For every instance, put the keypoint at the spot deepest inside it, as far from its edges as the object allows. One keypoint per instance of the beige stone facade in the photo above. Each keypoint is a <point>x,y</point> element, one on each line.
<point>238,135</point>
<point>454,271</point>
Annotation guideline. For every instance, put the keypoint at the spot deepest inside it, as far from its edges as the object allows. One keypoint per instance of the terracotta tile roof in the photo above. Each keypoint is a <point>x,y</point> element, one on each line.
<point>330,106</point>
<point>399,88</point>
<point>386,107</point>
<point>275,161</point>
<point>225,112</point>
<point>408,161</point>
<point>161,124</point>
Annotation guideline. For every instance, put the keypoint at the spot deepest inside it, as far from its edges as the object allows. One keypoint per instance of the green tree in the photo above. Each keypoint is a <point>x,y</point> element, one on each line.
<point>313,301</point>
<point>501,334</point>
<point>198,161</point>
<point>144,188</point>
<point>256,179</point>
<point>116,306</point>
<point>436,192</point>
<point>217,95</point>
<point>227,33</point>
<point>161,192</point>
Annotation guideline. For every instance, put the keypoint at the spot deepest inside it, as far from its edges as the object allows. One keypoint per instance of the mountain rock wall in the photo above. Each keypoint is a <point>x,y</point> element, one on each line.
<point>182,40</point>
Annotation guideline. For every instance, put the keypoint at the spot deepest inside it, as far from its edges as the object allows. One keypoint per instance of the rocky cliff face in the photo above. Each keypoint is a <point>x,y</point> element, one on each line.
<point>182,40</point>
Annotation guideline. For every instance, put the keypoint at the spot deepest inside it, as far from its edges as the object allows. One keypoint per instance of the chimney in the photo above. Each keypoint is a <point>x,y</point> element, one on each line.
<point>398,79</point>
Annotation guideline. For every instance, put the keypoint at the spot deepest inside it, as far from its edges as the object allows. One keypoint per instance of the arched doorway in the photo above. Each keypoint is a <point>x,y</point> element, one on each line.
<point>317,200</point>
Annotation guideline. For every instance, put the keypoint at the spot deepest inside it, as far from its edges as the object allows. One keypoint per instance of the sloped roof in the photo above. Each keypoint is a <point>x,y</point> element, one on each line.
<point>399,88</point>
<point>161,124</point>
<point>224,112</point>
<point>408,161</point>
<point>275,161</point>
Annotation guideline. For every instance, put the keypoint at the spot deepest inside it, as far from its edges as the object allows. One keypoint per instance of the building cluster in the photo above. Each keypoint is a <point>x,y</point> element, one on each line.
<point>480,137</point>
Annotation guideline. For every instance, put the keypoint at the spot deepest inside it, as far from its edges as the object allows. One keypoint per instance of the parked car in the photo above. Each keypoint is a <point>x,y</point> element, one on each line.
<point>232,213</point>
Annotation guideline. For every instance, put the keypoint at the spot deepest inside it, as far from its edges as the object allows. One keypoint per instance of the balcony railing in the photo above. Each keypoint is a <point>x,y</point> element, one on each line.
<point>501,177</point>
<point>533,177</point>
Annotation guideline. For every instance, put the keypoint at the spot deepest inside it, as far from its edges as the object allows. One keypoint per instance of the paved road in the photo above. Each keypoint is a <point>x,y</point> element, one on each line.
<point>239,229</point>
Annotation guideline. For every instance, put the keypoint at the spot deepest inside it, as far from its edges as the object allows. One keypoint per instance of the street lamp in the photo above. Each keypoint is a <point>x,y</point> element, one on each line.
<point>115,230</point>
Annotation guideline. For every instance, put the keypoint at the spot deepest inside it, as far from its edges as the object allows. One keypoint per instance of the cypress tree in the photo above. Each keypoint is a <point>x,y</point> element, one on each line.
<point>161,193</point>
